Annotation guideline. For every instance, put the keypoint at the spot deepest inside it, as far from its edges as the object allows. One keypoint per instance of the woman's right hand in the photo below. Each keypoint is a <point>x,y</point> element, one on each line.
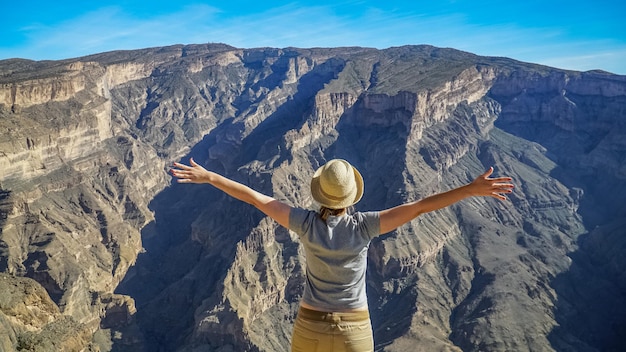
<point>491,187</point>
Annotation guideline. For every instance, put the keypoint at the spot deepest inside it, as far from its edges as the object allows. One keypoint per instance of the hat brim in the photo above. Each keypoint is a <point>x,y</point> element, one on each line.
<point>351,199</point>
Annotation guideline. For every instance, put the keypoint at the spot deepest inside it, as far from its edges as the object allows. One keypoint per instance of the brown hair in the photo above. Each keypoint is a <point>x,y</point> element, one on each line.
<point>326,212</point>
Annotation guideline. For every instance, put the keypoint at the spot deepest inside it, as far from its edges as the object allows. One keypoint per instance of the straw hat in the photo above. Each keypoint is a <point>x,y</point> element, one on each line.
<point>337,185</point>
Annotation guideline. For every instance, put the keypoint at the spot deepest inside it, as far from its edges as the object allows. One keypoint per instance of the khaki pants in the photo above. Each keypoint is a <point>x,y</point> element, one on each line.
<point>332,332</point>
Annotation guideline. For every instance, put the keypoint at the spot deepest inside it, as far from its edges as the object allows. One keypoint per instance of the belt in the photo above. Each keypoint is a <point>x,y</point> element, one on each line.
<point>334,317</point>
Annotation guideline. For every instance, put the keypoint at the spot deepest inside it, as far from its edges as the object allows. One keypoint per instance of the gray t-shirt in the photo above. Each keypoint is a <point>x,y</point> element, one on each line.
<point>336,256</point>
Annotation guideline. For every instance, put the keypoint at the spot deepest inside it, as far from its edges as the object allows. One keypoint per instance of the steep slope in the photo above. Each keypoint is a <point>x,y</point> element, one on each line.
<point>88,211</point>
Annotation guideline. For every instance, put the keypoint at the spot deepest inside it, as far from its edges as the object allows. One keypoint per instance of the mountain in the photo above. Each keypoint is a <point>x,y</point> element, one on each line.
<point>100,250</point>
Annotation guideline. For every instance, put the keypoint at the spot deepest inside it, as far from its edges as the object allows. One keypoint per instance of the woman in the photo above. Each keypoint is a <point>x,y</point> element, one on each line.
<point>333,314</point>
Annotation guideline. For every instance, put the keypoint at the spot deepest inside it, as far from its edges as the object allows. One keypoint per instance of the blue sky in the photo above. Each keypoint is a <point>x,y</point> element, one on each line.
<point>575,34</point>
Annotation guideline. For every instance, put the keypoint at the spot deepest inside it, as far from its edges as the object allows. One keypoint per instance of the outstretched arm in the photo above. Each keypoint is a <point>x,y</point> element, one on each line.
<point>393,218</point>
<point>268,205</point>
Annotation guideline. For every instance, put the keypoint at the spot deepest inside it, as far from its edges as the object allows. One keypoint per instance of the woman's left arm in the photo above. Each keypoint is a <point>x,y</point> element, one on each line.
<point>195,173</point>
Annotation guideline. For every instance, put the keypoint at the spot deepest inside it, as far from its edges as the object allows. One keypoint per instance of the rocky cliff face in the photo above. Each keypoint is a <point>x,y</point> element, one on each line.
<point>104,253</point>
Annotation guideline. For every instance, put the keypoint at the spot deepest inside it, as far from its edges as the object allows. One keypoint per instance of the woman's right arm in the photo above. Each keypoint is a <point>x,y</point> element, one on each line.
<point>195,173</point>
<point>392,218</point>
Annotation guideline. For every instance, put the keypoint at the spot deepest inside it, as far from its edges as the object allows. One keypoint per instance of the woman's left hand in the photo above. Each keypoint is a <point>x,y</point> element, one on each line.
<point>191,174</point>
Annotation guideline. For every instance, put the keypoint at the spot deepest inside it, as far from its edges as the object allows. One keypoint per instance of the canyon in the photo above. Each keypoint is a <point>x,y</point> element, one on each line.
<point>101,250</point>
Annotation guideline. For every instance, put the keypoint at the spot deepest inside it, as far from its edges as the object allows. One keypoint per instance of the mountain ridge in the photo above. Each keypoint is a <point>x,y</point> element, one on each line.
<point>155,266</point>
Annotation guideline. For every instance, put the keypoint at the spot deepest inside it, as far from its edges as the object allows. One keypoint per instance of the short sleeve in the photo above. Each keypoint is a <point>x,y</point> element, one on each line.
<point>369,223</point>
<point>300,220</point>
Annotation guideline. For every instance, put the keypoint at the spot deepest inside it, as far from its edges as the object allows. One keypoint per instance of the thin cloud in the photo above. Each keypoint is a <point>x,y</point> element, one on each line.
<point>285,26</point>
<point>110,28</point>
<point>611,61</point>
